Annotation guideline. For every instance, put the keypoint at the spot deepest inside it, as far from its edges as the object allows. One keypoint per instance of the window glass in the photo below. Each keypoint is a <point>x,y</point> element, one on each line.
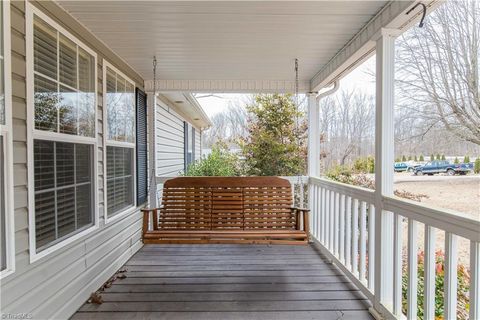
<point>120,108</point>
<point>119,179</point>
<point>64,83</point>
<point>63,190</point>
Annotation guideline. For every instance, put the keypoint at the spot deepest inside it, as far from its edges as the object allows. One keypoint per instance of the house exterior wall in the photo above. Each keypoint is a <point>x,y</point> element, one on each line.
<point>56,285</point>
<point>170,140</point>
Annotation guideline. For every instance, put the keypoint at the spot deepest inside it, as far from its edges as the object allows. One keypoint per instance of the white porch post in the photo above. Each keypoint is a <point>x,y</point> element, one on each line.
<point>313,136</point>
<point>384,156</point>
<point>152,168</point>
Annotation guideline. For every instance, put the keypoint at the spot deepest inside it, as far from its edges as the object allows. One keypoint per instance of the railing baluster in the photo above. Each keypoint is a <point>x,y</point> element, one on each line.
<point>371,247</point>
<point>474,280</point>
<point>323,222</point>
<point>355,238</point>
<point>348,232</point>
<point>336,219</point>
<point>397,264</point>
<point>342,229</point>
<point>328,223</point>
<point>412,270</point>
<point>316,197</point>
<point>429,273</point>
<point>450,307</point>
<point>332,221</point>
<point>363,239</point>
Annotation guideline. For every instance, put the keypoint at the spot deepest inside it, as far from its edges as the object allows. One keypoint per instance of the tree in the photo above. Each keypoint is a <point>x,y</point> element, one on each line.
<point>415,159</point>
<point>476,168</point>
<point>438,156</point>
<point>421,158</point>
<point>404,158</point>
<point>276,145</point>
<point>456,161</point>
<point>438,71</point>
<point>347,127</point>
<point>466,159</point>
<point>443,157</point>
<point>432,157</point>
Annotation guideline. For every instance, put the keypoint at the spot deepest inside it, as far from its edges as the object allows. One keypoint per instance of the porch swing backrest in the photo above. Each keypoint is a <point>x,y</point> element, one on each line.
<point>227,203</point>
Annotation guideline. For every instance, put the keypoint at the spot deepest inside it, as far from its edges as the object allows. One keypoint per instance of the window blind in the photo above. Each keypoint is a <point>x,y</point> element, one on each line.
<point>63,190</point>
<point>119,179</point>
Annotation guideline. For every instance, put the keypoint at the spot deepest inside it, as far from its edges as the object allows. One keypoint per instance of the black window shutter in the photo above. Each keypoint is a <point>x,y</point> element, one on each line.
<point>142,157</point>
<point>185,145</point>
<point>193,144</point>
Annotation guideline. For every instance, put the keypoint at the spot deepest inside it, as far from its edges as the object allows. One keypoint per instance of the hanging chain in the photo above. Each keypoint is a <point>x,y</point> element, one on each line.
<point>153,178</point>
<point>297,133</point>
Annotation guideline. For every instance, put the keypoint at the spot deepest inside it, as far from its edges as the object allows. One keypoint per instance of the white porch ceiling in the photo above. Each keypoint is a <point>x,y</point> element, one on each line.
<point>226,42</point>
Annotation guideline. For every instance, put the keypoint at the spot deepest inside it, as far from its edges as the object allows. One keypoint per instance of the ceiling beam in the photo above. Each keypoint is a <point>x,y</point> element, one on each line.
<point>227,86</point>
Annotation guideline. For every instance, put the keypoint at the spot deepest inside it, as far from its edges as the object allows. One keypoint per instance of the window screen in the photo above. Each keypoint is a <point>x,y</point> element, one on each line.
<point>63,190</point>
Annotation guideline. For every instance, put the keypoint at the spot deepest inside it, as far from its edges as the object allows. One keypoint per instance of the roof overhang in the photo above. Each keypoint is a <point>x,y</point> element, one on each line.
<point>241,46</point>
<point>187,106</point>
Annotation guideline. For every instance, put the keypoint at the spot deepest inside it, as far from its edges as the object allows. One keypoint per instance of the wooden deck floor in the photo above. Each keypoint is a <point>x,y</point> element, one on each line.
<point>221,282</point>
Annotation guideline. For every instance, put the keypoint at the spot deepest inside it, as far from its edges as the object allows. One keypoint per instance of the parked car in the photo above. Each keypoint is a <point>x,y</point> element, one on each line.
<point>405,166</point>
<point>443,166</point>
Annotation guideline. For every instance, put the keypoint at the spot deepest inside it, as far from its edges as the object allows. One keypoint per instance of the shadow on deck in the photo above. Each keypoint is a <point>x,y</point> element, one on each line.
<point>229,282</point>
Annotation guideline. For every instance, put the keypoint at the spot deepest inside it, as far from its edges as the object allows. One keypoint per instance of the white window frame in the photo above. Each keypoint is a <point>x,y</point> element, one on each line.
<point>6,132</point>
<point>113,143</point>
<point>33,133</point>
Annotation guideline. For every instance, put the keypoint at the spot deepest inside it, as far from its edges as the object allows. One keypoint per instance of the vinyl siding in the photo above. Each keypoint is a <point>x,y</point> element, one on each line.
<point>170,140</point>
<point>56,285</point>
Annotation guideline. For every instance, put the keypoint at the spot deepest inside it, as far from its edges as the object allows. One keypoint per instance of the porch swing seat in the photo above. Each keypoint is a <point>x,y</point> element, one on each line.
<point>226,210</point>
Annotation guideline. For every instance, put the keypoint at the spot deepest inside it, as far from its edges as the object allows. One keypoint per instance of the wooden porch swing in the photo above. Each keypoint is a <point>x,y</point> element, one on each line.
<point>226,210</point>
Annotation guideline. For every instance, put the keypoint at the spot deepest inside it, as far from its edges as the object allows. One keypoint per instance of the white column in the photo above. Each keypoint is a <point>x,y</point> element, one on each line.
<point>151,120</point>
<point>384,156</point>
<point>313,136</point>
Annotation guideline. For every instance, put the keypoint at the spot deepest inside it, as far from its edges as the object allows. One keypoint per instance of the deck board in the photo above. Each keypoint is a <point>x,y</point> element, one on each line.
<point>229,282</point>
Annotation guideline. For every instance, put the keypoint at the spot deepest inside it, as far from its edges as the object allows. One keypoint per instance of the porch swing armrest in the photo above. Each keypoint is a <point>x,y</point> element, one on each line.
<point>146,218</point>
<point>304,213</point>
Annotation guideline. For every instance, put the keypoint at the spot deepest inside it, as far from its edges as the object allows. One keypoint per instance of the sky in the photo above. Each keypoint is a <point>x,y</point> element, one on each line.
<point>358,79</point>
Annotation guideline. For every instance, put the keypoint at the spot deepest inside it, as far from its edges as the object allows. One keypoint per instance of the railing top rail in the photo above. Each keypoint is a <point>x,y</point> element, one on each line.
<point>359,193</point>
<point>443,219</point>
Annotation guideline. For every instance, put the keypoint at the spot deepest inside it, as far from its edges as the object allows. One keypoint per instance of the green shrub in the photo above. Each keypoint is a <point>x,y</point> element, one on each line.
<point>364,165</point>
<point>443,157</point>
<point>476,168</point>
<point>466,159</point>
<point>432,157</point>
<point>220,162</point>
<point>404,158</point>
<point>456,161</point>
<point>438,156</point>
<point>398,159</point>
<point>415,159</point>
<point>340,173</point>
<point>463,278</point>
<point>421,158</point>
<point>410,158</point>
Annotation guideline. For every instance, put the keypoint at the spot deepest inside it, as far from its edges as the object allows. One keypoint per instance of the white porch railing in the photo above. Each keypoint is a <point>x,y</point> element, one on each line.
<point>343,225</point>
